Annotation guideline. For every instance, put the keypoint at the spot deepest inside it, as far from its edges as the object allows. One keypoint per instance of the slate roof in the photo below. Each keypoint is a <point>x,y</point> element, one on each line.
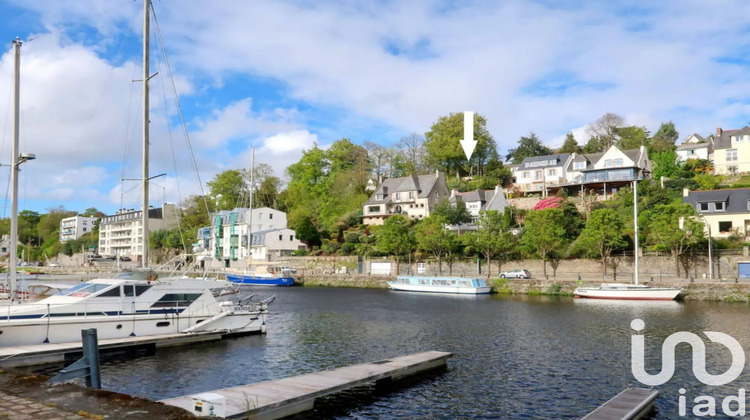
<point>423,184</point>
<point>737,200</point>
<point>559,158</point>
<point>700,138</point>
<point>723,141</point>
<point>693,146</point>
<point>488,199</point>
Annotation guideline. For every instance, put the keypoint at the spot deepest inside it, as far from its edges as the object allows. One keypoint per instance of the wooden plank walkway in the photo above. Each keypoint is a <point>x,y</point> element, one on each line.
<point>632,403</point>
<point>288,396</point>
<point>37,354</point>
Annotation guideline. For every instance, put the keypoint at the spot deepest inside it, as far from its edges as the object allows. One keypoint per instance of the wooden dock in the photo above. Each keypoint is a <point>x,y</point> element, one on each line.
<point>632,403</point>
<point>39,354</point>
<point>289,396</point>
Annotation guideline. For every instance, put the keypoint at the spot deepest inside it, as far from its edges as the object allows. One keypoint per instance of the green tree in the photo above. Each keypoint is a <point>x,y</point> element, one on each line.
<point>708,181</point>
<point>308,233</point>
<point>395,237</point>
<point>443,148</point>
<point>267,192</point>
<point>603,234</point>
<point>570,145</point>
<point>664,164</point>
<point>491,240</point>
<point>228,190</point>
<point>49,224</point>
<point>454,214</point>
<point>434,237</point>
<point>528,146</point>
<point>665,138</point>
<point>544,233</point>
<point>592,146</point>
<point>631,137</point>
<point>664,230</point>
<point>195,214</point>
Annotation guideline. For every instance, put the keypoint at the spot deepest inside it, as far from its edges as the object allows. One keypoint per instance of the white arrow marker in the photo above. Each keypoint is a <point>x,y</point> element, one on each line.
<point>468,143</point>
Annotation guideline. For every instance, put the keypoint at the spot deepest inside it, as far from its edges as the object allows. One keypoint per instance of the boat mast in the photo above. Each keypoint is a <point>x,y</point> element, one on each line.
<point>252,187</point>
<point>144,216</point>
<point>14,169</point>
<point>635,224</point>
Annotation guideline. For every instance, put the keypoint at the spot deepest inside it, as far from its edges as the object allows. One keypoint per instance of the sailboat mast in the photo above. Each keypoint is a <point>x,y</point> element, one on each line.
<point>14,169</point>
<point>144,216</point>
<point>252,187</point>
<point>635,224</point>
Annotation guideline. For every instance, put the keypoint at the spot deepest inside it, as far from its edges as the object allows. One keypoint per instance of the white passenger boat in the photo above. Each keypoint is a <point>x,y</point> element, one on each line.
<point>458,285</point>
<point>128,307</point>
<point>626,291</point>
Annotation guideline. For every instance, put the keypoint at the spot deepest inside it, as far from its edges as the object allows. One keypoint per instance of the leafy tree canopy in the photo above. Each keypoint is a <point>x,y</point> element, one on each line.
<point>443,147</point>
<point>528,146</point>
<point>570,145</point>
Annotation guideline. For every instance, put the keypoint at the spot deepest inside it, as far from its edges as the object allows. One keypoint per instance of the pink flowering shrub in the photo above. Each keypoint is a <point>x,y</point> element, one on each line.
<point>549,203</point>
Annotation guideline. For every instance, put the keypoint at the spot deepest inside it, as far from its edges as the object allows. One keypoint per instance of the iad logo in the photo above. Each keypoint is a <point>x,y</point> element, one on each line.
<point>699,356</point>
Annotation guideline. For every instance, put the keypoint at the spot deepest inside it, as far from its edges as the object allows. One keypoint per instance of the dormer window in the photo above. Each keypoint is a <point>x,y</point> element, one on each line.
<point>702,207</point>
<point>618,162</point>
<point>579,165</point>
<point>719,206</point>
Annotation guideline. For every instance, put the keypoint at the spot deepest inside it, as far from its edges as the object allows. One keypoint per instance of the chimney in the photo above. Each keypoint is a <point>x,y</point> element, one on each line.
<point>685,192</point>
<point>719,131</point>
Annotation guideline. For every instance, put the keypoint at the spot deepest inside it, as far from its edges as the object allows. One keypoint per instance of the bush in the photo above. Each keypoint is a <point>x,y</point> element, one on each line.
<point>351,237</point>
<point>679,184</point>
<point>300,253</point>
<point>348,248</point>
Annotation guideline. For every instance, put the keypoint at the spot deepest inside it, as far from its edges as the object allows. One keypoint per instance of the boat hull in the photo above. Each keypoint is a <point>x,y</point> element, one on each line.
<point>439,289</point>
<point>628,294</point>
<point>68,329</point>
<point>260,280</point>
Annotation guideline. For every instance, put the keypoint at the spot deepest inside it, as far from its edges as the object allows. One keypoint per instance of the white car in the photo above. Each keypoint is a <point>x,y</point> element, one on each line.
<point>518,273</point>
<point>53,264</point>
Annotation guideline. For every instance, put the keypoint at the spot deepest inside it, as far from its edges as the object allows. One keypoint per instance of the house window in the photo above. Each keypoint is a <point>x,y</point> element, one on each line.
<point>731,155</point>
<point>691,152</point>
<point>373,209</point>
<point>719,206</point>
<point>397,196</point>
<point>379,196</point>
<point>703,207</point>
<point>551,172</point>
<point>411,195</point>
<point>291,237</point>
<point>579,165</point>
<point>281,237</point>
<point>725,226</point>
<point>270,216</point>
<point>538,175</point>
<point>526,175</point>
<point>618,162</point>
<point>608,163</point>
<point>84,229</point>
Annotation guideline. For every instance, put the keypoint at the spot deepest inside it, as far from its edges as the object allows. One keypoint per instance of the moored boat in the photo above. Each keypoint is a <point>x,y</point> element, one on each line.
<point>628,292</point>
<point>263,275</point>
<point>457,285</point>
<point>126,306</point>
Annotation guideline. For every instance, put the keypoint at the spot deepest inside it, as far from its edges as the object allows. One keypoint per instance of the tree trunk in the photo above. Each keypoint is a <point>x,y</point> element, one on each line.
<point>440,266</point>
<point>489,266</point>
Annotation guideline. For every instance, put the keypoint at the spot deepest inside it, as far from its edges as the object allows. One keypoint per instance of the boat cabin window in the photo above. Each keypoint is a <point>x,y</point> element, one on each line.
<point>176,299</point>
<point>139,289</point>
<point>129,290</point>
<point>83,290</point>
<point>112,292</point>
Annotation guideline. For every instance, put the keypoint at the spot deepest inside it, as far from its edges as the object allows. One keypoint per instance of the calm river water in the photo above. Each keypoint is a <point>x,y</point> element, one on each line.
<point>514,357</point>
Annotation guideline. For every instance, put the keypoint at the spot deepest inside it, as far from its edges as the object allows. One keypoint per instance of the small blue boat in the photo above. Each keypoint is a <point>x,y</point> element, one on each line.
<point>260,280</point>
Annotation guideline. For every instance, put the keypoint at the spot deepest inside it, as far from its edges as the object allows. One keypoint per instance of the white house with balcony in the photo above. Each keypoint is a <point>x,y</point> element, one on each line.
<point>76,226</point>
<point>539,173</point>
<point>412,196</point>
<point>725,212</point>
<point>121,234</point>
<point>238,234</point>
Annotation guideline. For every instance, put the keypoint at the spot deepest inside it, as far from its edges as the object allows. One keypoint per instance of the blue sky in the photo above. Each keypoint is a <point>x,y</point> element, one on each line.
<point>283,75</point>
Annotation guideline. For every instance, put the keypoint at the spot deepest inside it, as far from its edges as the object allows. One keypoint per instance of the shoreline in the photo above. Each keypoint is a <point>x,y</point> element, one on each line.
<point>727,291</point>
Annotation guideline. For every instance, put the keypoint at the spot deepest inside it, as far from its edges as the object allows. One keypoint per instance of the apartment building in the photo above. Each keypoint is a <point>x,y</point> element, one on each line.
<point>121,234</point>
<point>74,227</point>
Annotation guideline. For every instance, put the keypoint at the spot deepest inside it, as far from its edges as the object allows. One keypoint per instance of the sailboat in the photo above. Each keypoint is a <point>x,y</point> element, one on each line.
<point>260,273</point>
<point>625,291</point>
<point>133,304</point>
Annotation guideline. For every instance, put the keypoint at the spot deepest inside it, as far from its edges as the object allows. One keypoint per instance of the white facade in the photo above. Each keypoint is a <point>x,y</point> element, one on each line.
<point>228,237</point>
<point>276,242</point>
<point>74,227</point>
<point>538,173</point>
<point>695,147</point>
<point>121,234</point>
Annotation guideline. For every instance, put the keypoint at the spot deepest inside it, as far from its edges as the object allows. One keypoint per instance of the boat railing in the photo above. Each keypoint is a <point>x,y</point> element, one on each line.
<point>44,311</point>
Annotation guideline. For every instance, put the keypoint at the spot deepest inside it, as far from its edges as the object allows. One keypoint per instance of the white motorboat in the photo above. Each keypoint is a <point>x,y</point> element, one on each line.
<point>628,292</point>
<point>128,307</point>
<point>454,285</point>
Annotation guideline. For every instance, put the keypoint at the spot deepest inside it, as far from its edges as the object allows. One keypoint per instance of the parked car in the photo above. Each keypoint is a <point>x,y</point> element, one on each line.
<point>54,264</point>
<point>518,273</point>
<point>125,259</point>
<point>289,269</point>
